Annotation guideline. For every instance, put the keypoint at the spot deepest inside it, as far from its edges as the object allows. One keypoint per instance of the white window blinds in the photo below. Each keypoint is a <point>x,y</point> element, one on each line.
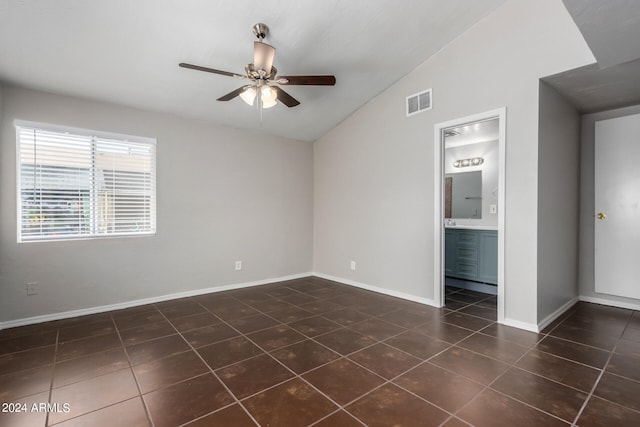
<point>80,185</point>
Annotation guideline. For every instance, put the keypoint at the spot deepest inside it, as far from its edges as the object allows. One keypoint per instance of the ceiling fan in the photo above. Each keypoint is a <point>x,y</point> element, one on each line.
<point>263,81</point>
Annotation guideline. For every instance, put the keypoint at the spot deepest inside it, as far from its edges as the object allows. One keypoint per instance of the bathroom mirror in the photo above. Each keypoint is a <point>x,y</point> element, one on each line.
<point>463,195</point>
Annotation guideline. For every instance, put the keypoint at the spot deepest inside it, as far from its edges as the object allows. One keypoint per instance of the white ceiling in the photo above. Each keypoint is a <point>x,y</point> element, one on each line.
<point>127,52</point>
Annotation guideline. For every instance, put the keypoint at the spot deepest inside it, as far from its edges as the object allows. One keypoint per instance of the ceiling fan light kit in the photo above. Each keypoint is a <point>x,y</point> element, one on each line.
<point>248,95</point>
<point>262,76</point>
<point>268,97</point>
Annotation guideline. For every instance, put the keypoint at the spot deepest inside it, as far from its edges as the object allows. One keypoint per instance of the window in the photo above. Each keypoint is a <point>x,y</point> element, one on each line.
<point>76,184</point>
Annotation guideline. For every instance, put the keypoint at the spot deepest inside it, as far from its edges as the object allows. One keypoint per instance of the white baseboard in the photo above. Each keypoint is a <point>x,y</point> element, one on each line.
<point>509,322</point>
<point>118,306</point>
<point>384,291</point>
<point>531,327</point>
<point>553,316</point>
<point>611,303</point>
<point>151,300</point>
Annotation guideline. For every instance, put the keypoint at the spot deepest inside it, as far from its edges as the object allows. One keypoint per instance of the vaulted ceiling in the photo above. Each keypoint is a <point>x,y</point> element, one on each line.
<point>127,52</point>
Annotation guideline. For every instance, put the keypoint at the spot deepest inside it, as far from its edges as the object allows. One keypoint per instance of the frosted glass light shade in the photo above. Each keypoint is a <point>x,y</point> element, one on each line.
<point>268,96</point>
<point>268,104</point>
<point>248,95</point>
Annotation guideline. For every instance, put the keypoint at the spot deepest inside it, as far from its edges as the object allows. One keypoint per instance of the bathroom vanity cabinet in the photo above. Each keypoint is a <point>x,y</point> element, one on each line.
<point>472,254</point>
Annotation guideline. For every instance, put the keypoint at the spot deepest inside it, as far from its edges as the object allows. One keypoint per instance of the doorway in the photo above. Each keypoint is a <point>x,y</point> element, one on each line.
<point>473,217</point>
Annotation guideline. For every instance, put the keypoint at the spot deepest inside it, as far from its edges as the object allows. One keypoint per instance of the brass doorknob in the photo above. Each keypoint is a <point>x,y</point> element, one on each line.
<point>601,215</point>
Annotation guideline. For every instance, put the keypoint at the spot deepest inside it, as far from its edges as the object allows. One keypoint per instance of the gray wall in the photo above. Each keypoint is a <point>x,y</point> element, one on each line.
<point>558,201</point>
<point>222,195</point>
<point>587,207</point>
<point>373,197</point>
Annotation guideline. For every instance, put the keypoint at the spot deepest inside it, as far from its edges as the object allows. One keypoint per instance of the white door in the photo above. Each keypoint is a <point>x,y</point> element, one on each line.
<point>617,206</point>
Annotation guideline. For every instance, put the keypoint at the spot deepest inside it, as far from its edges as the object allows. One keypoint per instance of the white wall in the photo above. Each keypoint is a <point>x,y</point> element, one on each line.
<point>587,208</point>
<point>558,202</point>
<point>373,176</point>
<point>489,152</point>
<point>222,195</point>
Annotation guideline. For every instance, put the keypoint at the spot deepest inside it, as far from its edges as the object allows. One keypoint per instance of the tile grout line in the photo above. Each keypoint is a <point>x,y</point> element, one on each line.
<point>624,378</point>
<point>568,423</point>
<point>388,381</point>
<point>133,373</point>
<point>313,315</point>
<point>296,375</point>
<point>222,408</point>
<point>569,360</point>
<point>401,332</point>
<point>533,348</point>
<point>595,384</point>
<point>549,379</point>
<point>590,394</point>
<point>428,360</point>
<point>101,375</point>
<point>488,386</point>
<point>380,317</point>
<point>337,411</point>
<point>299,376</point>
<point>157,338</point>
<point>578,342</point>
<point>53,373</point>
<point>236,400</point>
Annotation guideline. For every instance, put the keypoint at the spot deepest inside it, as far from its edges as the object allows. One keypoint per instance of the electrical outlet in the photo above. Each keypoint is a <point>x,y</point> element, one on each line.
<point>353,265</point>
<point>493,208</point>
<point>32,288</point>
<point>238,265</point>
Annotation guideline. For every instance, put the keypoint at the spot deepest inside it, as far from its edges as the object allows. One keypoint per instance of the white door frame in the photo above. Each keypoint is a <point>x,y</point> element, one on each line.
<point>438,225</point>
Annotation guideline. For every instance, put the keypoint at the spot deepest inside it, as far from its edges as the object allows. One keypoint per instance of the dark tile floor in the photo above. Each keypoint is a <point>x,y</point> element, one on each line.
<point>313,352</point>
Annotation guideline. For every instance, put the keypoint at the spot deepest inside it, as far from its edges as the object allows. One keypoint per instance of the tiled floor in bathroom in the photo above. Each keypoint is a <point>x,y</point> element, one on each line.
<point>314,352</point>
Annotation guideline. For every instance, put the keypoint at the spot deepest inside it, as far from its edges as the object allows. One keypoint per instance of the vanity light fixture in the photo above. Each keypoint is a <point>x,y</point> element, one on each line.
<point>463,163</point>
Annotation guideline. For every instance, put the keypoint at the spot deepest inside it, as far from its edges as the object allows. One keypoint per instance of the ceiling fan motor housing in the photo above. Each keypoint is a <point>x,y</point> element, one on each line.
<point>255,73</point>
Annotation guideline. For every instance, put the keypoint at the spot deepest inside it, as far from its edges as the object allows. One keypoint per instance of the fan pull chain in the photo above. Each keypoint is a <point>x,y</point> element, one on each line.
<point>259,98</point>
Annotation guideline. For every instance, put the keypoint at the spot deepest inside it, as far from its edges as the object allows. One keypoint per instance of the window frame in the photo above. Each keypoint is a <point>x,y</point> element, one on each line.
<point>21,124</point>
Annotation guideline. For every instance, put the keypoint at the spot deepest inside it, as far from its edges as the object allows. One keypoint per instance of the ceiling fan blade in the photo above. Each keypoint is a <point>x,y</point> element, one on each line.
<point>307,80</point>
<point>285,98</point>
<point>232,94</point>
<point>210,70</point>
<point>263,55</point>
